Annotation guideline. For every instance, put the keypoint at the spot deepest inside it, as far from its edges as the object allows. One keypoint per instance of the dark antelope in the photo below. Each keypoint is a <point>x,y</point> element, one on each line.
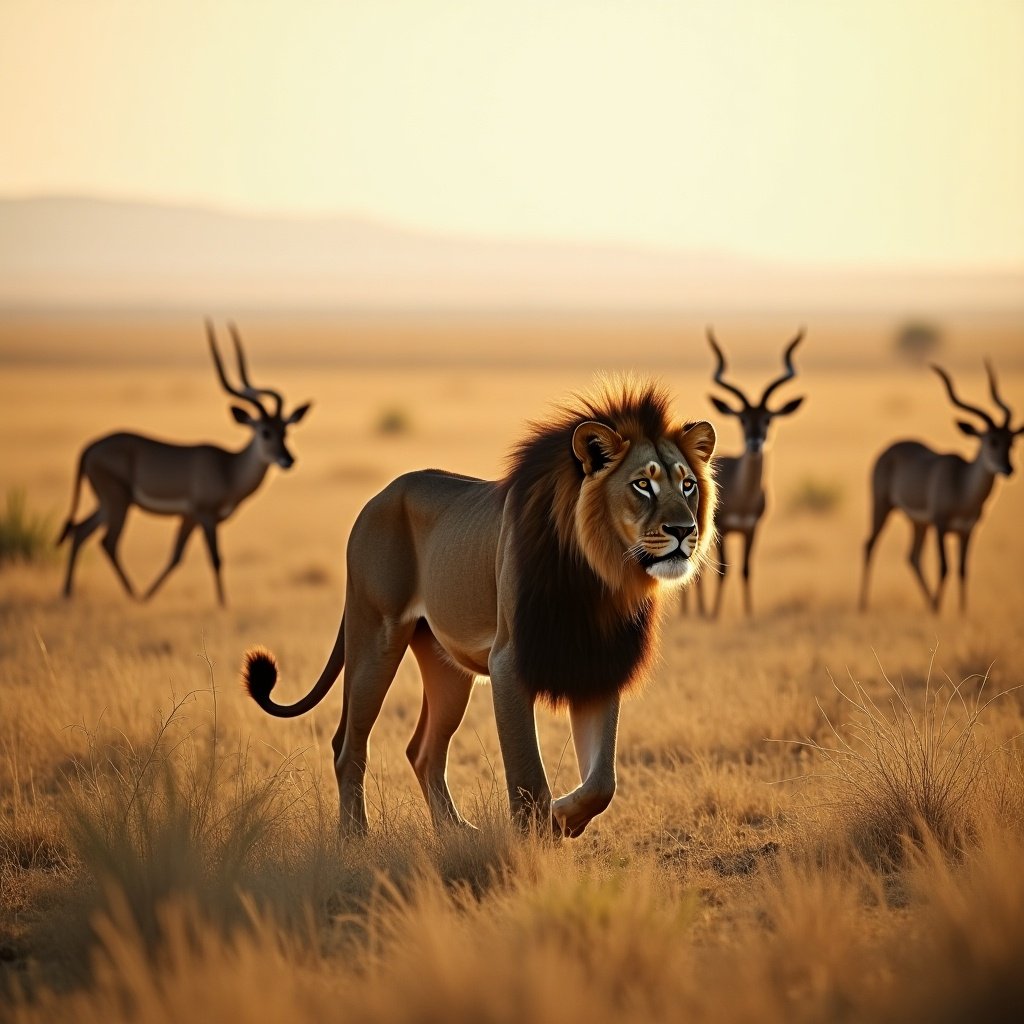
<point>201,483</point>
<point>740,477</point>
<point>940,490</point>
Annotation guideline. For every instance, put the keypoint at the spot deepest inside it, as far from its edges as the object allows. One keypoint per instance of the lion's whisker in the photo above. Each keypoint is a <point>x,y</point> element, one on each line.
<point>633,552</point>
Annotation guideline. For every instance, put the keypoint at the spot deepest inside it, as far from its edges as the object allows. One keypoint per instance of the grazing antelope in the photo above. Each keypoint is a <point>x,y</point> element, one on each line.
<point>740,477</point>
<point>201,483</point>
<point>940,490</point>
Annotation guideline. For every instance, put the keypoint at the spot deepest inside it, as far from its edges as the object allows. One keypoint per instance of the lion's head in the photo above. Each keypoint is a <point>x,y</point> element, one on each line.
<point>645,502</point>
<point>624,487</point>
<point>611,498</point>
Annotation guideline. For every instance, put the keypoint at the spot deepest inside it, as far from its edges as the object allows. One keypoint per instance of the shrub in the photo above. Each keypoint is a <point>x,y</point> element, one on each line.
<point>394,421</point>
<point>816,496</point>
<point>25,536</point>
<point>918,340</point>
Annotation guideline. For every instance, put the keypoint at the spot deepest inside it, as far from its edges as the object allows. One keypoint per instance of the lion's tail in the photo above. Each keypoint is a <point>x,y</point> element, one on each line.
<point>259,674</point>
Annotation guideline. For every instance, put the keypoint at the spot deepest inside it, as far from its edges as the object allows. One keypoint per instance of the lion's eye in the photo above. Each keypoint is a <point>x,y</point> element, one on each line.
<point>643,486</point>
<point>689,486</point>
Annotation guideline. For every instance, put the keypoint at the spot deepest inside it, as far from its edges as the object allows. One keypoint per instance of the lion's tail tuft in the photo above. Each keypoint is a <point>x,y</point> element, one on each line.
<point>259,674</point>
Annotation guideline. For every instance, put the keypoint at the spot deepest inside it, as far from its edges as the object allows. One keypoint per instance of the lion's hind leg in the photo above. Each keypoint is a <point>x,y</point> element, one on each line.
<point>374,649</point>
<point>446,692</point>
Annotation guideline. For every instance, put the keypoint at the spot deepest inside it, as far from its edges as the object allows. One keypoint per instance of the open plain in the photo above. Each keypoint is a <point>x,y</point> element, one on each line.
<point>820,813</point>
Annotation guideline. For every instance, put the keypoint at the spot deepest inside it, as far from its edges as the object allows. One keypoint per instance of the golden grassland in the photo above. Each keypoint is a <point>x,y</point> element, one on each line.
<point>820,814</point>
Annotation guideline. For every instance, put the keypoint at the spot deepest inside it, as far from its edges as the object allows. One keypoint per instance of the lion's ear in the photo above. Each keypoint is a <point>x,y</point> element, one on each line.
<point>699,438</point>
<point>595,445</point>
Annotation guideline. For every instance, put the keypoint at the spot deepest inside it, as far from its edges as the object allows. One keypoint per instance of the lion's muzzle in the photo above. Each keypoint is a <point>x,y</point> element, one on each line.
<point>667,552</point>
<point>680,531</point>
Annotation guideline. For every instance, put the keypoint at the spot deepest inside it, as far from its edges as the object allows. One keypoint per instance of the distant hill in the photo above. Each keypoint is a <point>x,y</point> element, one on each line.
<point>70,252</point>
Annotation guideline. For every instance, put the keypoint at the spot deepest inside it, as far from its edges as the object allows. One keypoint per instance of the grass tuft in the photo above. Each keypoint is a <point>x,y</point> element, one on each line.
<point>25,536</point>
<point>178,818</point>
<point>902,774</point>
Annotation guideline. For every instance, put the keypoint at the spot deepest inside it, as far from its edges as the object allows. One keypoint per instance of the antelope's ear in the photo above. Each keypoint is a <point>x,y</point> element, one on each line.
<point>968,428</point>
<point>595,445</point>
<point>723,407</point>
<point>699,438</point>
<point>790,407</point>
<point>242,416</point>
<point>298,413</point>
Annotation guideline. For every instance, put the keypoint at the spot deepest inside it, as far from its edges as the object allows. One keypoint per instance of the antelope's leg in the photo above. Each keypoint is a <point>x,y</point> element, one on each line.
<point>879,514</point>
<point>187,525</point>
<point>965,540</point>
<point>940,540</point>
<point>210,534</point>
<point>914,558</point>
<point>80,533</point>
<point>115,501</point>
<point>748,547</point>
<point>723,568</point>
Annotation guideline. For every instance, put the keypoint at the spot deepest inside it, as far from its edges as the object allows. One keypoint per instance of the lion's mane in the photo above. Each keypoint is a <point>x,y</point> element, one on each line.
<point>583,633</point>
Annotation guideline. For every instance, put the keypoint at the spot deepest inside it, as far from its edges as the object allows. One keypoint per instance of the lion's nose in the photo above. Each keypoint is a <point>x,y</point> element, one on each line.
<point>678,531</point>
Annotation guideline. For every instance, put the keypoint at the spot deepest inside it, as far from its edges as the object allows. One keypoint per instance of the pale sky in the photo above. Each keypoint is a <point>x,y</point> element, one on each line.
<point>866,132</point>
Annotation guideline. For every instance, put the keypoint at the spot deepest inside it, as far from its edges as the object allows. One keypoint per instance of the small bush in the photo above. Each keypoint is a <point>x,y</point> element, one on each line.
<point>918,340</point>
<point>816,496</point>
<point>311,575</point>
<point>25,536</point>
<point>394,421</point>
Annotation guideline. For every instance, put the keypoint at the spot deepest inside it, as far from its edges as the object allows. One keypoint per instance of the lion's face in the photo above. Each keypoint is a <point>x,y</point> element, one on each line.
<point>655,495</point>
<point>653,498</point>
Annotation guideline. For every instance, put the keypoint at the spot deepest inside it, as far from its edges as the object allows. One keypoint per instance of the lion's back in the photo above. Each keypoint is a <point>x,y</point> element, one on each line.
<point>424,532</point>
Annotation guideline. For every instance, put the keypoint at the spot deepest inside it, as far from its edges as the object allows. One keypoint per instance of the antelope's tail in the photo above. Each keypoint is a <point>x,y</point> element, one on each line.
<point>259,675</point>
<point>69,525</point>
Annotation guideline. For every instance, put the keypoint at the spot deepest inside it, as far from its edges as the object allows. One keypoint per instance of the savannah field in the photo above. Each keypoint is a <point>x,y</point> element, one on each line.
<point>819,816</point>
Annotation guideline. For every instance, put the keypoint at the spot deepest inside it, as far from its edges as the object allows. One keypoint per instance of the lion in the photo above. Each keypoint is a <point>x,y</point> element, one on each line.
<point>547,581</point>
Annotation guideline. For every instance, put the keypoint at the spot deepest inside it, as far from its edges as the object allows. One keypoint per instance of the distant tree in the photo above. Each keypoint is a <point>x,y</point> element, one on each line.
<point>918,340</point>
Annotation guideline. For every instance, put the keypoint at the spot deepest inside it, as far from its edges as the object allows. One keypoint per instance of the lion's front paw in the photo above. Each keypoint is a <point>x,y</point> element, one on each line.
<point>574,811</point>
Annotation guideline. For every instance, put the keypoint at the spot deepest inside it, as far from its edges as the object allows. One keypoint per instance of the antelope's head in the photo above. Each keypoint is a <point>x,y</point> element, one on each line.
<point>996,438</point>
<point>755,419</point>
<point>270,428</point>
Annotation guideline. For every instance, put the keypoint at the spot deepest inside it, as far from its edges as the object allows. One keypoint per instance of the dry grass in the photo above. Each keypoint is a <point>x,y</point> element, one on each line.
<point>202,907</point>
<point>910,766</point>
<point>166,850</point>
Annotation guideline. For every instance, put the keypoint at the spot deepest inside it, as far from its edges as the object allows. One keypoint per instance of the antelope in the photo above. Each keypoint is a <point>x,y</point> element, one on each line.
<point>938,490</point>
<point>201,483</point>
<point>740,477</point>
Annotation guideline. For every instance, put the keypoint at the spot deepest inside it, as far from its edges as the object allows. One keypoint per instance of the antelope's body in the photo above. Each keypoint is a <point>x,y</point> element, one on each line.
<point>740,478</point>
<point>938,490</point>
<point>201,483</point>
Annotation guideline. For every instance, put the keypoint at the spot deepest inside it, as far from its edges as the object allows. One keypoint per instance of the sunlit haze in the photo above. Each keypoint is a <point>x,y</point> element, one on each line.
<point>873,133</point>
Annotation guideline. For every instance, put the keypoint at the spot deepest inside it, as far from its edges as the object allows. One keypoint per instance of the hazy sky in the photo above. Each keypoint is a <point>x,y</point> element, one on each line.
<point>861,132</point>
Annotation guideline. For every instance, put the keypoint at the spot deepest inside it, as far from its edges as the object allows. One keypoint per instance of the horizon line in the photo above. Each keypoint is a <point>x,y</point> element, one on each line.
<point>563,242</point>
